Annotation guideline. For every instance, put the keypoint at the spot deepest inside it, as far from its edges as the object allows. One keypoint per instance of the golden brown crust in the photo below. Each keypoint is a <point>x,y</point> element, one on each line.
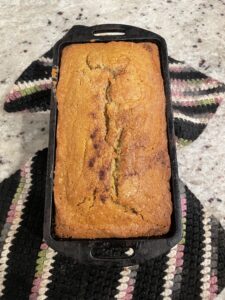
<point>112,166</point>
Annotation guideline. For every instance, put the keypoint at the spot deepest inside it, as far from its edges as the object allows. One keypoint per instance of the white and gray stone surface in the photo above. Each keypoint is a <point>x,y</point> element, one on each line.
<point>194,31</point>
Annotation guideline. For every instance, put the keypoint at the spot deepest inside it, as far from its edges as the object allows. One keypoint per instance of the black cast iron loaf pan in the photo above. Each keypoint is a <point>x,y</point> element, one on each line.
<point>126,251</point>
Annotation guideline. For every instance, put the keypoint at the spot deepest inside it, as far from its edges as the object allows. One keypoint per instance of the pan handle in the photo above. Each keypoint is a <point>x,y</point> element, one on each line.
<point>124,253</point>
<point>107,32</point>
<point>107,252</point>
<point>111,30</point>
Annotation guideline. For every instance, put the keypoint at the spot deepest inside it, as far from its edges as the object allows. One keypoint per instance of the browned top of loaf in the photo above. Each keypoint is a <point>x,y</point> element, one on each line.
<point>112,167</point>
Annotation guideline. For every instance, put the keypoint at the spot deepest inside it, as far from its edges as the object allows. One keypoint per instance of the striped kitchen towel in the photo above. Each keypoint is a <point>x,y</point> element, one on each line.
<point>29,269</point>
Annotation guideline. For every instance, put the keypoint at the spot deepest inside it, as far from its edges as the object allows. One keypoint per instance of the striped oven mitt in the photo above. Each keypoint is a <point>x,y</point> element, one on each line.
<point>29,269</point>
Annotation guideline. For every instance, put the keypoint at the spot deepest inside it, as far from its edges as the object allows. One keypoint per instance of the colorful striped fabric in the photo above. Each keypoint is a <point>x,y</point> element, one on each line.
<point>195,98</point>
<point>13,220</point>
<point>29,269</point>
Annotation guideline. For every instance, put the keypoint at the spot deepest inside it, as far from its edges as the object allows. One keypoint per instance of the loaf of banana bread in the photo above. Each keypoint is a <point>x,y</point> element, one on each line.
<point>112,170</point>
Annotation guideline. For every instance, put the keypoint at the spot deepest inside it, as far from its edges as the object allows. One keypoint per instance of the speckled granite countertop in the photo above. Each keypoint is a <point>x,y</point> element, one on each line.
<point>194,33</point>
